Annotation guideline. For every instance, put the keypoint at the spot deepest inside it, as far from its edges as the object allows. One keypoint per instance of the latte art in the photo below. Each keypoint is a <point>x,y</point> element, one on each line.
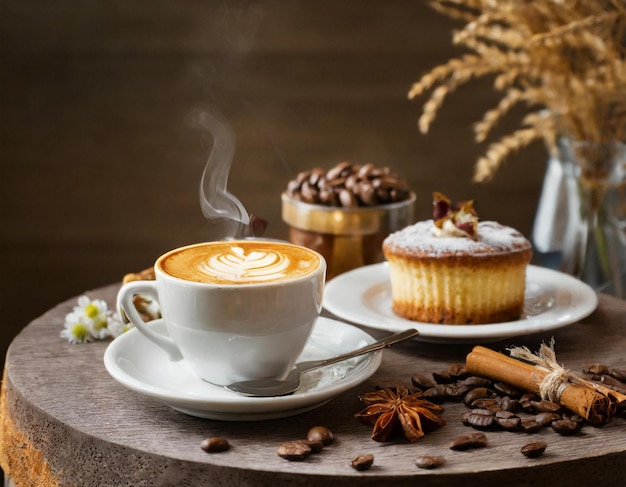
<point>240,262</point>
<point>236,265</point>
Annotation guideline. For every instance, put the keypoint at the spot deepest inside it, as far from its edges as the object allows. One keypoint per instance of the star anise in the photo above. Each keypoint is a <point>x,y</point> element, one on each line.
<point>396,408</point>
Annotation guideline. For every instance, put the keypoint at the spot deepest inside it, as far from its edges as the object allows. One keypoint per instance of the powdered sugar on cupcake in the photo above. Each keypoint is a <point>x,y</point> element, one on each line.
<point>419,239</point>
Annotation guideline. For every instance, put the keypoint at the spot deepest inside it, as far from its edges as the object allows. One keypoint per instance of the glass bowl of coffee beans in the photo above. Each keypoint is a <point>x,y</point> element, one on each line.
<point>346,212</point>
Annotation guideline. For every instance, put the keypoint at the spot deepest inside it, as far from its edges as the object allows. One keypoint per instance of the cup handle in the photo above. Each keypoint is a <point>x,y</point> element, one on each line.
<point>125,303</point>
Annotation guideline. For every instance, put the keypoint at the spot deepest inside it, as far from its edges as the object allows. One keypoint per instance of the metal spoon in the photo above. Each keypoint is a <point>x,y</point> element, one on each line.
<point>271,387</point>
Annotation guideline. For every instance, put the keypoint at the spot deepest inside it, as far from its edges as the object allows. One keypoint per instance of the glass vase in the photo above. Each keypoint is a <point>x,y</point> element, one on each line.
<point>590,212</point>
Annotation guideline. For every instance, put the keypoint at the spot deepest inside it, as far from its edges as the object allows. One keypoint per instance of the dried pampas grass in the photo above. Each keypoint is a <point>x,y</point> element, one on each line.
<point>564,59</point>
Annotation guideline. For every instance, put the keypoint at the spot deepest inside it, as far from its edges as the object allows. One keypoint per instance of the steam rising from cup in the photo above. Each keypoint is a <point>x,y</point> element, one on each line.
<point>217,203</point>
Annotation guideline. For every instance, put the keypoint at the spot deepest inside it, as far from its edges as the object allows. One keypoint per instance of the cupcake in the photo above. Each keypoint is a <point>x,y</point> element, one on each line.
<point>453,269</point>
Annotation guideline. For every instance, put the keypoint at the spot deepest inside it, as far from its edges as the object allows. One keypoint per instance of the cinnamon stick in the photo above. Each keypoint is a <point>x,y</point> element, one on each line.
<point>594,406</point>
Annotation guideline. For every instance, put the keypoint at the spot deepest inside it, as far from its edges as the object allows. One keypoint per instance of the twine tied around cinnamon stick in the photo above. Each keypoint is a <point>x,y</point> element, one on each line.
<point>541,374</point>
<point>557,378</point>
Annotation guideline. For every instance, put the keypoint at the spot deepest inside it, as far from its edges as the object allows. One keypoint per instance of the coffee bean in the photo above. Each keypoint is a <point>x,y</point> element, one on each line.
<point>435,394</point>
<point>362,462</point>
<point>365,171</point>
<point>347,199</point>
<point>493,408</point>
<point>503,414</point>
<point>320,433</point>
<point>351,182</point>
<point>545,406</point>
<point>335,183</point>
<point>545,418</point>
<point>383,195</point>
<point>366,194</point>
<point>458,371</point>
<point>526,400</point>
<point>529,426</point>
<point>506,390</point>
<point>379,172</point>
<point>477,393</point>
<point>464,416</point>
<point>596,368</point>
<point>534,450</point>
<point>529,396</point>
<point>329,197</point>
<point>466,442</point>
<point>315,446</point>
<point>422,381</point>
<point>508,404</point>
<point>386,182</point>
<point>611,382</point>
<point>455,390</point>
<point>565,427</point>
<point>481,412</point>
<point>509,424</point>
<point>309,193</point>
<point>619,374</point>
<point>475,381</point>
<point>442,377</point>
<point>480,418</point>
<point>429,461</point>
<point>479,439</point>
<point>215,444</point>
<point>462,442</point>
<point>576,418</point>
<point>348,185</point>
<point>485,403</point>
<point>315,175</point>
<point>507,420</point>
<point>293,450</point>
<point>338,170</point>
<point>302,176</point>
<point>293,187</point>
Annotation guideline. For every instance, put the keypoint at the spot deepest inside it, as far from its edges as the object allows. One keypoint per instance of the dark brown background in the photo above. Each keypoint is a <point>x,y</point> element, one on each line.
<point>100,167</point>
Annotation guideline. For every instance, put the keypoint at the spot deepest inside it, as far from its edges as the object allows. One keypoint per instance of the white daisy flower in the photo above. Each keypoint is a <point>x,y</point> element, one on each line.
<point>91,320</point>
<point>94,312</point>
<point>76,329</point>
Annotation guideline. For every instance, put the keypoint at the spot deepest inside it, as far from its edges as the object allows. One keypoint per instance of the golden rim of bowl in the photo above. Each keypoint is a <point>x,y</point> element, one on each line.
<point>348,221</point>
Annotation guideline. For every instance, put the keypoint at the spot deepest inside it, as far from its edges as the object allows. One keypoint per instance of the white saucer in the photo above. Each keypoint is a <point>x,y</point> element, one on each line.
<point>138,364</point>
<point>552,300</point>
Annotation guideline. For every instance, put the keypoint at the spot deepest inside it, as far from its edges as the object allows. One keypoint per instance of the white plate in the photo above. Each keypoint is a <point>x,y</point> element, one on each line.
<point>552,300</point>
<point>138,364</point>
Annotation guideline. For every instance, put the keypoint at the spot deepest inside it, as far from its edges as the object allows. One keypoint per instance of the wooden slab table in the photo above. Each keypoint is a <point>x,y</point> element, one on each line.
<point>66,422</point>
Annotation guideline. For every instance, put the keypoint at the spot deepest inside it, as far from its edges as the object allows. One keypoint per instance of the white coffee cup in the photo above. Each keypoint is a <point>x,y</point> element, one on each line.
<point>234,310</point>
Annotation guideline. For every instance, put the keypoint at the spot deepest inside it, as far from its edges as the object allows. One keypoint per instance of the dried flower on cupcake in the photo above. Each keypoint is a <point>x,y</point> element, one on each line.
<point>460,220</point>
<point>395,410</point>
<point>564,60</point>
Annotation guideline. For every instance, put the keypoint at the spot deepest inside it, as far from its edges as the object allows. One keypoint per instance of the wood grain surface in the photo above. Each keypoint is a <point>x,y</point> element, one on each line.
<point>92,431</point>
